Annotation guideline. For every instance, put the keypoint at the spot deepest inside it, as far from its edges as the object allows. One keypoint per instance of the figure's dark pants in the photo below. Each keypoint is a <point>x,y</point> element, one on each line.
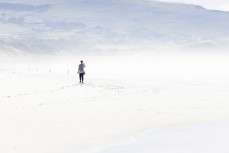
<point>81,77</point>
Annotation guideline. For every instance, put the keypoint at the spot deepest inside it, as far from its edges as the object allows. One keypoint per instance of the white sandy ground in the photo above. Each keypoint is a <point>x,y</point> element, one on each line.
<point>199,138</point>
<point>48,112</point>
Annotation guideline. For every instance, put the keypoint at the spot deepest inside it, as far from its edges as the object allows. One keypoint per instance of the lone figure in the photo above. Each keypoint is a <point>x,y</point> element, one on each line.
<point>81,71</point>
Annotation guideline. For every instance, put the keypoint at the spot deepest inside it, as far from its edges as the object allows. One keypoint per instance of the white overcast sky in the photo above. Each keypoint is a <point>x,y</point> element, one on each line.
<point>209,4</point>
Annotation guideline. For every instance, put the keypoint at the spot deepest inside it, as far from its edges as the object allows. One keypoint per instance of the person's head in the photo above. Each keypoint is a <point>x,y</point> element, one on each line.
<point>81,61</point>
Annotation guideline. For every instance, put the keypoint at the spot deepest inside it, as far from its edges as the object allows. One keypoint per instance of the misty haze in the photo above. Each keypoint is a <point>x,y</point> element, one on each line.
<point>156,77</point>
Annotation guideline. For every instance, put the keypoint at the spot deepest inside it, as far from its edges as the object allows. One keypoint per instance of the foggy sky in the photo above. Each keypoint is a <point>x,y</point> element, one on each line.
<point>209,4</point>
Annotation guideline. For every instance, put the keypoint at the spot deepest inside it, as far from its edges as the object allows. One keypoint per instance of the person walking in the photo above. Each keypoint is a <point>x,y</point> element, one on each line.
<point>81,71</point>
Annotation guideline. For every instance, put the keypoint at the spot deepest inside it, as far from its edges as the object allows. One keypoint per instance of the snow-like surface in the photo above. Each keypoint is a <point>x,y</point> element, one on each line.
<point>199,138</point>
<point>43,109</point>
